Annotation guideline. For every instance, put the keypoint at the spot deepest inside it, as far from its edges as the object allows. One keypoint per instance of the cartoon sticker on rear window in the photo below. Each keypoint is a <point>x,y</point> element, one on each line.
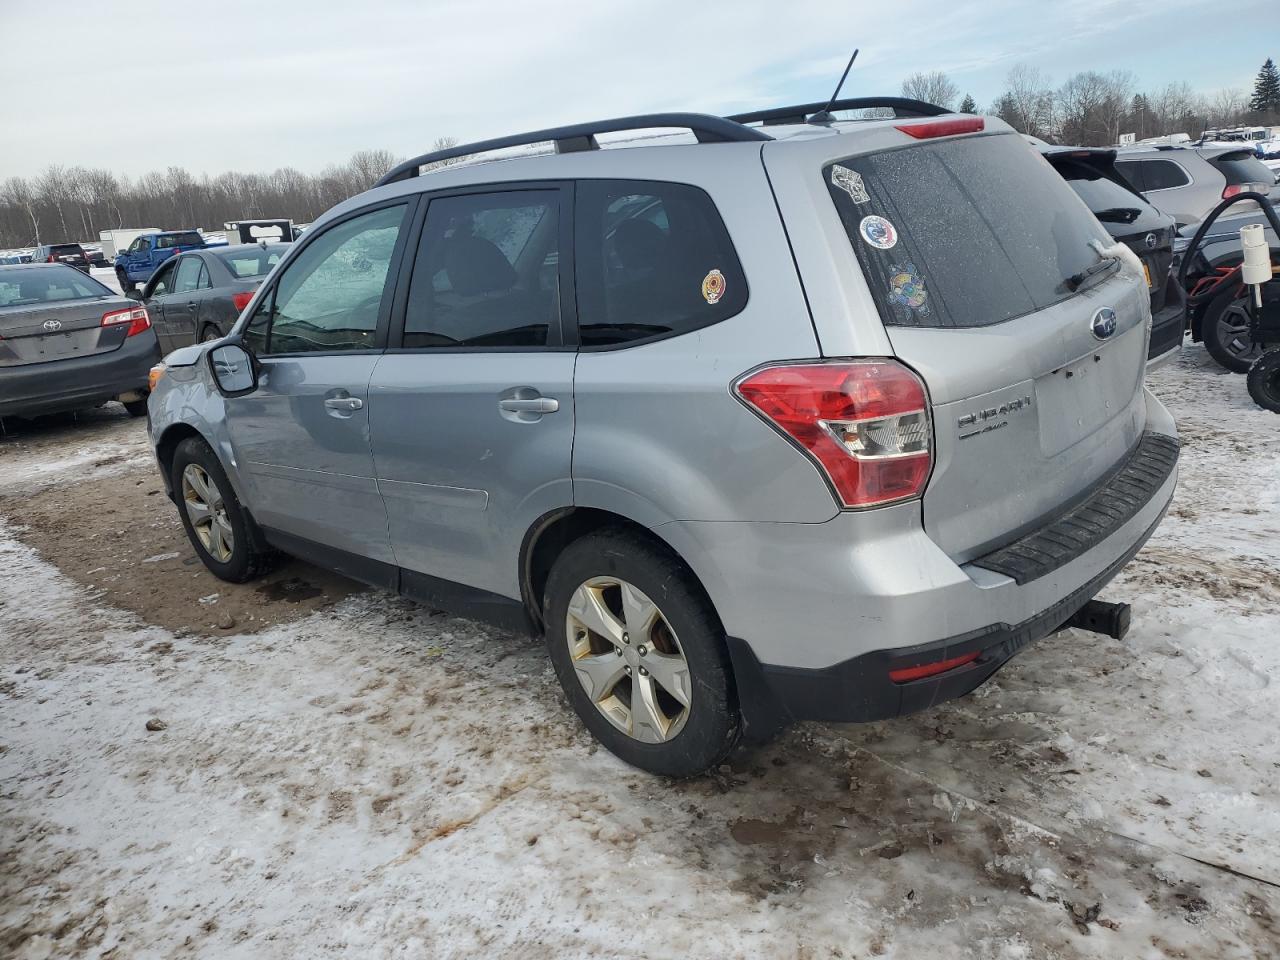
<point>906,289</point>
<point>878,232</point>
<point>850,181</point>
<point>713,285</point>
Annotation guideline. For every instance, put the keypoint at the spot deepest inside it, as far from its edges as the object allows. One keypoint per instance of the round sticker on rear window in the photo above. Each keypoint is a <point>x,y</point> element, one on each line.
<point>878,232</point>
<point>713,285</point>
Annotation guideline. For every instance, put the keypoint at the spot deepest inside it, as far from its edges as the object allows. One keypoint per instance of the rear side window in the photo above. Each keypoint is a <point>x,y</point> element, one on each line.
<point>962,233</point>
<point>653,260</point>
<point>1243,167</point>
<point>487,272</point>
<point>1163,175</point>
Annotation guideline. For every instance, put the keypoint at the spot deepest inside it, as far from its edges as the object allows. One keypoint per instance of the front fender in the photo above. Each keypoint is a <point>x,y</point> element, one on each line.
<point>185,401</point>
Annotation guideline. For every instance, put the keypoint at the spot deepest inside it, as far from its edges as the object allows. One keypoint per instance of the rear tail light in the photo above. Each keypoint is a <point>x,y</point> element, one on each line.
<point>1238,188</point>
<point>135,317</point>
<point>907,674</point>
<point>942,128</point>
<point>241,300</point>
<point>865,423</point>
<point>51,259</point>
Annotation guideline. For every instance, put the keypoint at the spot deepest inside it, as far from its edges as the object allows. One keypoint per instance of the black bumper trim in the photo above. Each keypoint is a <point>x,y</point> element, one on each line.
<point>1112,504</point>
<point>859,689</point>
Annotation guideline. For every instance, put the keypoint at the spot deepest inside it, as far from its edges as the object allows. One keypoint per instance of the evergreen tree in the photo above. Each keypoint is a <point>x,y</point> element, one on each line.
<point>1266,89</point>
<point>968,104</point>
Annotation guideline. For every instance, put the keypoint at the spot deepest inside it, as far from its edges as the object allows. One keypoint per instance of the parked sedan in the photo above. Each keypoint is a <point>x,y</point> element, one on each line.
<point>198,296</point>
<point>68,342</point>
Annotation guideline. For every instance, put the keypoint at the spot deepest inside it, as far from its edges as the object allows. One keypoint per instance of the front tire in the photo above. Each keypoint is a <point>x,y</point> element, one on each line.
<point>640,654</point>
<point>123,279</point>
<point>1264,380</point>
<point>225,537</point>
<point>1225,329</point>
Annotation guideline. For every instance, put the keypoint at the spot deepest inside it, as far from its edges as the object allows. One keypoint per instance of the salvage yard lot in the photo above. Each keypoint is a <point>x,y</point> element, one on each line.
<point>342,773</point>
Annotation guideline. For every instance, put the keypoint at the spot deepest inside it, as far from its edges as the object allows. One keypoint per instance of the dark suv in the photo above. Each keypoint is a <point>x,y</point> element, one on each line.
<point>72,254</point>
<point>1130,219</point>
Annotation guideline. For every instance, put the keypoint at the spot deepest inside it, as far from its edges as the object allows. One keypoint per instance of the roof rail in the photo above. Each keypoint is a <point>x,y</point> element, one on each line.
<point>582,136</point>
<point>800,113</point>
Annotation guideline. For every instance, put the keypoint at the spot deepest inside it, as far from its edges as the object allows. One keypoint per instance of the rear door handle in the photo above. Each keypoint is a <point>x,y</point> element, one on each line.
<point>344,403</point>
<point>531,405</point>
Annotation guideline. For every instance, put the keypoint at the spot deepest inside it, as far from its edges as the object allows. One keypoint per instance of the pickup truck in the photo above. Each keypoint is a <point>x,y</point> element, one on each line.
<point>146,253</point>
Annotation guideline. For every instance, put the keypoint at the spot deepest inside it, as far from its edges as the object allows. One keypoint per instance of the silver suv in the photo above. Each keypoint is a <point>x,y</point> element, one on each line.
<point>781,420</point>
<point>1188,182</point>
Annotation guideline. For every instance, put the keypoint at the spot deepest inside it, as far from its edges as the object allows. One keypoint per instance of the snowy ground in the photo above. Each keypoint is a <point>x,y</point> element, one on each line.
<point>370,778</point>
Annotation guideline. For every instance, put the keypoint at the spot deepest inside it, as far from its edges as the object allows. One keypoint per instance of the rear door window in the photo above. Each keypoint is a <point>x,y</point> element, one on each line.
<point>168,240</point>
<point>1163,175</point>
<point>653,260</point>
<point>963,233</point>
<point>188,275</point>
<point>487,272</point>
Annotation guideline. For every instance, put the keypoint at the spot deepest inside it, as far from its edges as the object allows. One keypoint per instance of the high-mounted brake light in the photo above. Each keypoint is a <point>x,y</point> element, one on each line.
<point>942,128</point>
<point>241,300</point>
<point>135,317</point>
<point>865,423</point>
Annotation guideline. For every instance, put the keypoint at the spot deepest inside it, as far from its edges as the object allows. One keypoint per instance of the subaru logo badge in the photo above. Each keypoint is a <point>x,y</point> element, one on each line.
<point>1150,241</point>
<point>1104,323</point>
<point>52,325</point>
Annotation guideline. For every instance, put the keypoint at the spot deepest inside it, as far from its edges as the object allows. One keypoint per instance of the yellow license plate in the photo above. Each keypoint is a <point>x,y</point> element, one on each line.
<point>1146,271</point>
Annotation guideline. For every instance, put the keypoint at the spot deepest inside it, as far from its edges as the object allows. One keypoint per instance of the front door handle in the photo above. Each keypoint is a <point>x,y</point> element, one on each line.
<point>530,405</point>
<point>346,404</point>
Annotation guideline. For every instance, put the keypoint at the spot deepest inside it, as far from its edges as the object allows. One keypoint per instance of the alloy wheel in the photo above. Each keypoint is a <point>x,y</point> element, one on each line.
<point>1234,335</point>
<point>207,512</point>
<point>628,659</point>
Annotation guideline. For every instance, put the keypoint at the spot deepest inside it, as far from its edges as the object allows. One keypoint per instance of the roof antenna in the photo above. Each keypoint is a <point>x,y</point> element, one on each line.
<point>824,115</point>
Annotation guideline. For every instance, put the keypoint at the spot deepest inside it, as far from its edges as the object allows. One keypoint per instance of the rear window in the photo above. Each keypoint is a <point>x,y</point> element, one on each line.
<point>1243,167</point>
<point>1110,202</point>
<point>653,260</point>
<point>66,249</point>
<point>189,239</point>
<point>962,233</point>
<point>245,264</point>
<point>52,284</point>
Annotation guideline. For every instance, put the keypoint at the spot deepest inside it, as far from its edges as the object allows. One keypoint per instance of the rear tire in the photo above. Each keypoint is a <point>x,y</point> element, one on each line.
<point>225,537</point>
<point>1264,380</point>
<point>1226,335</point>
<point>210,333</point>
<point>651,613</point>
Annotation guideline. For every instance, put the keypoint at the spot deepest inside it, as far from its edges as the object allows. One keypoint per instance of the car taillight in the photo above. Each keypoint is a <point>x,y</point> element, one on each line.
<point>51,259</point>
<point>865,423</point>
<point>907,674</point>
<point>241,300</point>
<point>1237,188</point>
<point>135,317</point>
<point>942,128</point>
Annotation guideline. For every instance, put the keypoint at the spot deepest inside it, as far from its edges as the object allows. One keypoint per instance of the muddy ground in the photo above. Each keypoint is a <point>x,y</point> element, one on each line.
<point>343,773</point>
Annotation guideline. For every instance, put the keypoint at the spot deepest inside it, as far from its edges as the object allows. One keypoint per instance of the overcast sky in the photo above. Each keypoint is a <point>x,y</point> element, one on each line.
<point>215,85</point>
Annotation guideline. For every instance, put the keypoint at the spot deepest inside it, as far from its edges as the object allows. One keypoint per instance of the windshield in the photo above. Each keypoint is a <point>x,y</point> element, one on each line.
<point>963,233</point>
<point>189,239</point>
<point>252,263</point>
<point>26,286</point>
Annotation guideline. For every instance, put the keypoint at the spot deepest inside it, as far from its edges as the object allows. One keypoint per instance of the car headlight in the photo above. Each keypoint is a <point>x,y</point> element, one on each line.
<point>153,378</point>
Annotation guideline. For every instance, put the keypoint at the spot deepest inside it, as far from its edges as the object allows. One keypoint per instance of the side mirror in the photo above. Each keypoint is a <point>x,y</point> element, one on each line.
<point>233,369</point>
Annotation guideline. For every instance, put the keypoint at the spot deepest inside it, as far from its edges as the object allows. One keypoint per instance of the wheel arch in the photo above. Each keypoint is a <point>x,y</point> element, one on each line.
<point>555,530</point>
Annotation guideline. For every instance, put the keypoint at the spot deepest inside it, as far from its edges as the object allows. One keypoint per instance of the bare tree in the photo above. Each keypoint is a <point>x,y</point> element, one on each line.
<point>368,166</point>
<point>931,87</point>
<point>1027,104</point>
<point>20,194</point>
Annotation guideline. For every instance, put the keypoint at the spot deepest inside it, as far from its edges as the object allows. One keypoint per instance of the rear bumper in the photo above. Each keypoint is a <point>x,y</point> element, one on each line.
<point>1168,328</point>
<point>78,382</point>
<point>820,613</point>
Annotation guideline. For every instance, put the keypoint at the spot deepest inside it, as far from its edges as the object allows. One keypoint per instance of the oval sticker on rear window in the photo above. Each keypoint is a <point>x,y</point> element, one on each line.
<point>878,232</point>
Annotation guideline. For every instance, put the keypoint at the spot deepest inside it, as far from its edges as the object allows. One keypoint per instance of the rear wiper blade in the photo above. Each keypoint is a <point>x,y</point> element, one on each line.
<point>1118,214</point>
<point>1109,261</point>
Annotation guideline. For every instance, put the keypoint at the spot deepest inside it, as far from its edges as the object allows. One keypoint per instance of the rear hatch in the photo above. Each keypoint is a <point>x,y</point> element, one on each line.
<point>987,273</point>
<point>71,254</point>
<point>1244,173</point>
<point>55,313</point>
